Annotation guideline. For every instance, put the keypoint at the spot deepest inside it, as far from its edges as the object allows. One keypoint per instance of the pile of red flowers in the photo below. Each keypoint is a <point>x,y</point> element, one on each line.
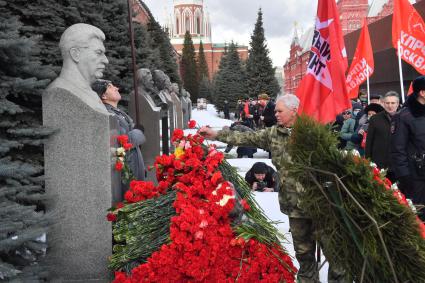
<point>203,246</point>
<point>401,198</point>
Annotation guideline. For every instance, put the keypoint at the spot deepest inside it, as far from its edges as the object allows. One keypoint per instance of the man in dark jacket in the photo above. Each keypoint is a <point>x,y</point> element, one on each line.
<point>262,178</point>
<point>408,145</point>
<point>110,96</point>
<point>267,115</point>
<point>378,138</point>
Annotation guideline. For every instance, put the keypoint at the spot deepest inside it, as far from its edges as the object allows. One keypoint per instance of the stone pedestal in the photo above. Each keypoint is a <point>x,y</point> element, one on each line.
<point>185,108</point>
<point>171,117</point>
<point>178,111</point>
<point>149,117</point>
<point>78,181</point>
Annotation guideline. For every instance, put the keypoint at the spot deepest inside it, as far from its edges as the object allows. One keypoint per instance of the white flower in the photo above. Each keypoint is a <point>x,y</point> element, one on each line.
<point>355,152</point>
<point>411,205</point>
<point>394,187</point>
<point>204,223</point>
<point>187,145</point>
<point>225,199</point>
<point>120,151</point>
<point>121,158</point>
<point>373,165</point>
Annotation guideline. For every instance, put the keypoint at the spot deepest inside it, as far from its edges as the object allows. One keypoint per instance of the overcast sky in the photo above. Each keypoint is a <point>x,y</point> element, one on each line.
<point>235,20</point>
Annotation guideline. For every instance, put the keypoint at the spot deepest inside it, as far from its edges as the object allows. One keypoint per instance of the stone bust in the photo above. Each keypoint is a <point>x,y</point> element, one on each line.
<point>175,88</point>
<point>84,61</point>
<point>162,81</point>
<point>146,82</point>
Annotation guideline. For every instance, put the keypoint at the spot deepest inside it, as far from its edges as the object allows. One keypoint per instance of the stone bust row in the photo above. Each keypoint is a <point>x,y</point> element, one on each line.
<point>84,61</point>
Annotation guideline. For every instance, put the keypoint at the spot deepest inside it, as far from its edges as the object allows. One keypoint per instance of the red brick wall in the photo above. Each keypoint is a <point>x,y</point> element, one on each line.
<point>139,14</point>
<point>351,14</point>
<point>294,69</point>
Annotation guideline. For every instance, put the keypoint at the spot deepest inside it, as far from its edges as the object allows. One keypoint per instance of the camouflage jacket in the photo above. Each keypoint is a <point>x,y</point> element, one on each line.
<point>272,139</point>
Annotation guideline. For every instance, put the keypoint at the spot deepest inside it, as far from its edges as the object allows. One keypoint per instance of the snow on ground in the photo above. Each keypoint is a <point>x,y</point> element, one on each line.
<point>267,201</point>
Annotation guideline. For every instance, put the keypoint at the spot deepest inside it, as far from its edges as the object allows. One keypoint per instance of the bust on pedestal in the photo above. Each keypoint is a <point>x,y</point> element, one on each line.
<point>78,161</point>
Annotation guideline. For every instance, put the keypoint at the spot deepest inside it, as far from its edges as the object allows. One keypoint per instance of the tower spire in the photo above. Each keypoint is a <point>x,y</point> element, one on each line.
<point>295,39</point>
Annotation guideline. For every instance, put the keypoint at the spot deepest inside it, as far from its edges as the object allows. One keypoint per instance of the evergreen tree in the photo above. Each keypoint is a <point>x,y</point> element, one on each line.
<point>22,219</point>
<point>161,41</point>
<point>260,73</point>
<point>48,19</point>
<point>189,70</point>
<point>230,81</point>
<point>205,89</point>
<point>202,63</point>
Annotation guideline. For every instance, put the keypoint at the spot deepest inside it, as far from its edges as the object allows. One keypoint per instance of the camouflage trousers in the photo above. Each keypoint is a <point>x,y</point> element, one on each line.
<point>303,233</point>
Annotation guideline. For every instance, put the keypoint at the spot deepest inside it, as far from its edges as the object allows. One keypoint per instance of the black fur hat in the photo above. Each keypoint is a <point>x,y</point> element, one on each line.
<point>374,107</point>
<point>419,84</point>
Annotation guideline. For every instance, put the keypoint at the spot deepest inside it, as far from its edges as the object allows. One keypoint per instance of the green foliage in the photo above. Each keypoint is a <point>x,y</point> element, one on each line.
<point>350,238</point>
<point>260,71</point>
<point>22,220</point>
<point>205,89</point>
<point>189,70</point>
<point>161,41</point>
<point>141,229</point>
<point>230,80</point>
<point>202,63</point>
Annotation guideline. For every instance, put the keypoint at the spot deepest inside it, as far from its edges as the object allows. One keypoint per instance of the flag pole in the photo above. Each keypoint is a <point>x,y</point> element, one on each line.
<point>133,60</point>
<point>400,71</point>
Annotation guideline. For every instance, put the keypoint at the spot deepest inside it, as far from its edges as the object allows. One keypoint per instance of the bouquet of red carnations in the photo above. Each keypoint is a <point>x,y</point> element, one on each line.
<point>199,224</point>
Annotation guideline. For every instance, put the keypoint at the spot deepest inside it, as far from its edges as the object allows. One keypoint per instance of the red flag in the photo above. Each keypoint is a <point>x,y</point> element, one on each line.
<point>409,29</point>
<point>322,91</point>
<point>362,65</point>
<point>410,91</point>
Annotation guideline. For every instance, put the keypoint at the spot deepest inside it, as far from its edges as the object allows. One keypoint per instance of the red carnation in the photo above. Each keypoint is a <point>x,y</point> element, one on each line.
<point>122,139</point>
<point>111,217</point>
<point>177,135</point>
<point>245,205</point>
<point>119,165</point>
<point>191,124</point>
<point>127,146</point>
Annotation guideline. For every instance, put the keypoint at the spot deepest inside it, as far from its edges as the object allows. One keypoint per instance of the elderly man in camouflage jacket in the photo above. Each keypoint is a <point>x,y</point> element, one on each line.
<point>274,139</point>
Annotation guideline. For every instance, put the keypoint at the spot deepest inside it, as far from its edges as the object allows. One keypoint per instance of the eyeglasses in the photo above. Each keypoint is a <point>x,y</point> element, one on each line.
<point>346,113</point>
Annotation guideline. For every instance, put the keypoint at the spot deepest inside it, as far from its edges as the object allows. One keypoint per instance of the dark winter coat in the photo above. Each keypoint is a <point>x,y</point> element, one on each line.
<point>269,115</point>
<point>270,178</point>
<point>378,140</point>
<point>408,139</point>
<point>226,111</point>
<point>136,137</point>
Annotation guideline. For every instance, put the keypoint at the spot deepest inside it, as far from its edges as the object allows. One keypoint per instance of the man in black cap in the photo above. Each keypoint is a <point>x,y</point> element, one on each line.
<point>262,178</point>
<point>110,96</point>
<point>408,145</point>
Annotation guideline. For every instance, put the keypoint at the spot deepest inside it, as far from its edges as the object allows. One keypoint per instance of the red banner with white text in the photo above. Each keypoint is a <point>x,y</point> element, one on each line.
<point>409,29</point>
<point>322,91</point>
<point>362,65</point>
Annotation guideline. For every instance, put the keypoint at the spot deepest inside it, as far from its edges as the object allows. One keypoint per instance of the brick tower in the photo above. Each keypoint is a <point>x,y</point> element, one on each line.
<point>191,15</point>
<point>351,14</point>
